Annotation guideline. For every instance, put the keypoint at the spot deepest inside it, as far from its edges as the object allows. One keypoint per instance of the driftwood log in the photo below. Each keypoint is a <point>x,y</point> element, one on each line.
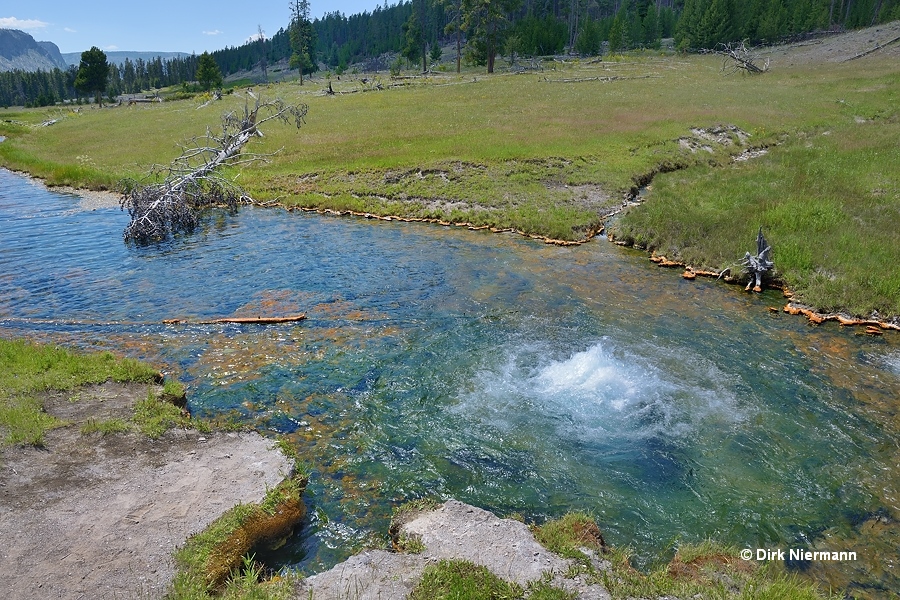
<point>192,182</point>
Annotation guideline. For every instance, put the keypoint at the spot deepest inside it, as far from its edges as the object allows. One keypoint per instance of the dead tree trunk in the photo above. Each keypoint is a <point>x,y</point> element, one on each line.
<point>756,266</point>
<point>740,58</point>
<point>191,182</point>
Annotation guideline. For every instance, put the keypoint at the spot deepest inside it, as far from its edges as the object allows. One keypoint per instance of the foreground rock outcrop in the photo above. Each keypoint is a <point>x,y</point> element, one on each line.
<point>453,531</point>
<point>97,516</point>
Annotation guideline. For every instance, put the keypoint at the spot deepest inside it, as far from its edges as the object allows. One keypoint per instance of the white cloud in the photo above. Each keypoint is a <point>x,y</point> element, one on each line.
<point>255,37</point>
<point>111,47</point>
<point>69,30</point>
<point>213,32</point>
<point>14,23</point>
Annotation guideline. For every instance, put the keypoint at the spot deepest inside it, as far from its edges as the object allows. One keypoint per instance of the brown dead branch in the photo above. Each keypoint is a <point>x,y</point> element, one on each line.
<point>737,57</point>
<point>192,183</point>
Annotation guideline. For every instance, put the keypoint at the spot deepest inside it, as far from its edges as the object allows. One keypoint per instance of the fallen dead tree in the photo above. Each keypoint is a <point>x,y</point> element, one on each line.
<point>871,50</point>
<point>737,57</point>
<point>192,181</point>
<point>600,78</point>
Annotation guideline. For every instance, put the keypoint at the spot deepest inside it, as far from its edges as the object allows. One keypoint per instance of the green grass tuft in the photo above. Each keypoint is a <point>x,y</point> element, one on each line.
<point>568,535</point>
<point>107,427</point>
<point>542,590</point>
<point>463,580</point>
<point>173,388</point>
<point>23,421</point>
<point>154,416</point>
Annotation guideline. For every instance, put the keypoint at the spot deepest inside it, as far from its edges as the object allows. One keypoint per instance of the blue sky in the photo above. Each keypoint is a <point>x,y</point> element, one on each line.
<point>158,25</point>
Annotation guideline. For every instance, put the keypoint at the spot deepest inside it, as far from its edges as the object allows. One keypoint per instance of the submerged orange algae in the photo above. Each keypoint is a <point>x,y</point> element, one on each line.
<point>344,310</point>
<point>866,385</point>
<point>274,303</point>
<point>334,443</point>
<point>879,534</point>
<point>240,357</point>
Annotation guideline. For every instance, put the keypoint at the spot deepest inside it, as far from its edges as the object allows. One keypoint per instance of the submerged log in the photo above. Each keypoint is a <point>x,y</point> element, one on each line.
<point>288,319</point>
<point>239,320</point>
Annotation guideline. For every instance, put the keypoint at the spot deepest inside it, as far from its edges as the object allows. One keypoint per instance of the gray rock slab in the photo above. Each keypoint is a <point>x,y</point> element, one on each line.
<point>454,531</point>
<point>372,575</point>
<point>98,517</point>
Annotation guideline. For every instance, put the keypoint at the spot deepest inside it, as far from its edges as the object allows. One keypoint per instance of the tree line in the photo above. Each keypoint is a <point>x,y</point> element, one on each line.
<point>706,23</point>
<point>43,88</point>
<point>485,29</point>
<point>478,31</point>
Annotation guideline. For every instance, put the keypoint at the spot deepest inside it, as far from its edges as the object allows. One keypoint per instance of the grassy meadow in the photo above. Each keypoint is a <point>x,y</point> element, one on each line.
<point>551,152</point>
<point>27,370</point>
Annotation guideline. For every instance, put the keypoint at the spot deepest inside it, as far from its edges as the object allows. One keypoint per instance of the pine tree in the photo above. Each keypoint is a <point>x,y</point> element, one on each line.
<point>208,73</point>
<point>652,36</point>
<point>617,36</point>
<point>454,26</point>
<point>414,36</point>
<point>485,22</point>
<point>588,42</point>
<point>301,32</point>
<point>717,26</point>
<point>687,30</point>
<point>93,72</point>
<point>635,29</point>
<point>773,21</point>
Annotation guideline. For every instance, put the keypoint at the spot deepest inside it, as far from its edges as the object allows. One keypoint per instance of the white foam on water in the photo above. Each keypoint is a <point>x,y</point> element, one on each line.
<point>893,362</point>
<point>603,393</point>
<point>590,374</point>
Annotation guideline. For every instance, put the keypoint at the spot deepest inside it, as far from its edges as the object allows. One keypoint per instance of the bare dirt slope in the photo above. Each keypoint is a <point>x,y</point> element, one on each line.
<point>878,41</point>
<point>93,516</point>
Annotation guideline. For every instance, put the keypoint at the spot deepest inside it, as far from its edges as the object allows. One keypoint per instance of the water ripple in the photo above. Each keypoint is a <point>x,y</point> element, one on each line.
<point>519,376</point>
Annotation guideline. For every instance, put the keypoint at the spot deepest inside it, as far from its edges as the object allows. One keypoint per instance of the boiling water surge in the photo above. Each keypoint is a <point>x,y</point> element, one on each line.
<point>513,375</point>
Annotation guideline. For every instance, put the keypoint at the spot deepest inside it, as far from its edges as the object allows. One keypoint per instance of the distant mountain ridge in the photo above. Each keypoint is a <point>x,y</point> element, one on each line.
<point>18,50</point>
<point>118,56</point>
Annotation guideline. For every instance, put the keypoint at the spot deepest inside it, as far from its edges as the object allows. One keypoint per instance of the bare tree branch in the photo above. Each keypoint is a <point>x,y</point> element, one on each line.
<point>740,58</point>
<point>190,183</point>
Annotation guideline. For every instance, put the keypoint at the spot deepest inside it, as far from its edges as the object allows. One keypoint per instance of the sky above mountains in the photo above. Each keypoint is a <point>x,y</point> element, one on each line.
<point>159,25</point>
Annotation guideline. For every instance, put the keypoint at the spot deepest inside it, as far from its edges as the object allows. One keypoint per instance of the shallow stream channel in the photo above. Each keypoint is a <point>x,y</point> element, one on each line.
<point>514,375</point>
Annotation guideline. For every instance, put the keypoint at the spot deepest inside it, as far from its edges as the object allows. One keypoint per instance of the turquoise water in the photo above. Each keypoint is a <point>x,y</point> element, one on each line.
<point>517,376</point>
